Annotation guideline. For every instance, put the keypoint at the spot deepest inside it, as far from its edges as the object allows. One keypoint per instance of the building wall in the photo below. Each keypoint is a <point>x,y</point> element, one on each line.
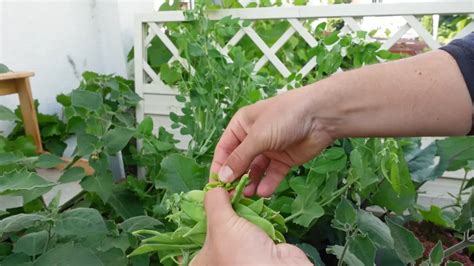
<point>59,39</point>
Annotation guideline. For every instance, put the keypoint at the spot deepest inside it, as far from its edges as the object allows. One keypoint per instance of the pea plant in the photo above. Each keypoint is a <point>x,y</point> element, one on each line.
<point>354,204</point>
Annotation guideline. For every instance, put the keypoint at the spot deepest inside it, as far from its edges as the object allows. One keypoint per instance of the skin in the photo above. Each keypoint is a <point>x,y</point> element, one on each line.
<point>424,95</point>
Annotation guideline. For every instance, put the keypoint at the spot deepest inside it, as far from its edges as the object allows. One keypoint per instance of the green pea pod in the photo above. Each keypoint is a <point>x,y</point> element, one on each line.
<point>147,248</point>
<point>199,228</point>
<point>244,181</point>
<point>194,210</point>
<point>198,238</point>
<point>257,206</point>
<point>279,237</point>
<point>195,195</point>
<point>251,216</point>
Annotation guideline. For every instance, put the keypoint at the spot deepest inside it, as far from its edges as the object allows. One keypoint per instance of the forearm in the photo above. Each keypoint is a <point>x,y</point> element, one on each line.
<point>420,96</point>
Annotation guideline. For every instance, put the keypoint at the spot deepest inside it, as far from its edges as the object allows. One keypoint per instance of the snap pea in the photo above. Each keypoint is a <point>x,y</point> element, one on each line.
<point>186,211</point>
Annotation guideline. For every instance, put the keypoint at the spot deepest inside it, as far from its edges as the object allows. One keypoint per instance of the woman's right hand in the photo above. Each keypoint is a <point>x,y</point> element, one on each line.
<point>270,137</point>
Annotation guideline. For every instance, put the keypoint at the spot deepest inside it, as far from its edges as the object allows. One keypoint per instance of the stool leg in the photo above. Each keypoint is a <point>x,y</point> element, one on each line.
<point>28,112</point>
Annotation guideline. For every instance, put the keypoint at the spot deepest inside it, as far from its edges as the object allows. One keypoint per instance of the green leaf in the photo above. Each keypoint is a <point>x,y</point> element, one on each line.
<point>7,115</point>
<point>23,144</point>
<point>47,160</point>
<point>361,170</point>
<point>377,230</point>
<point>331,38</point>
<point>345,216</point>
<point>421,164</point>
<point>332,160</point>
<point>86,144</point>
<point>70,255</point>
<point>169,75</point>
<point>101,184</point>
<point>437,254</point>
<point>146,126</point>
<point>464,221</point>
<point>72,174</point>
<point>4,69</point>
<point>139,222</point>
<point>32,244</point>
<point>64,100</point>
<point>113,257</point>
<point>89,100</point>
<point>80,222</point>
<point>435,215</point>
<point>455,152</point>
<point>17,259</point>
<point>407,246</point>
<point>305,209</point>
<point>22,180</point>
<point>181,174</point>
<point>363,248</point>
<point>20,221</point>
<point>116,139</point>
<point>312,253</point>
<point>125,203</point>
<point>349,258</point>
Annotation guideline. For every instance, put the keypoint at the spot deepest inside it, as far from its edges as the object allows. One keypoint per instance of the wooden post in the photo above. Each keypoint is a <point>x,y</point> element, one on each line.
<point>28,112</point>
<point>19,82</point>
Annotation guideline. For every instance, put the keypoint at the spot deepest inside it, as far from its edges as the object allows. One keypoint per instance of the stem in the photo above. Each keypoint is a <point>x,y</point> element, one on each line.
<point>459,199</point>
<point>466,242</point>
<point>346,246</point>
<point>291,217</point>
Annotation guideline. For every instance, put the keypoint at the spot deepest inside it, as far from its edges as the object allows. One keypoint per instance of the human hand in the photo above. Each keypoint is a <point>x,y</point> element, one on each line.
<point>232,240</point>
<point>270,137</point>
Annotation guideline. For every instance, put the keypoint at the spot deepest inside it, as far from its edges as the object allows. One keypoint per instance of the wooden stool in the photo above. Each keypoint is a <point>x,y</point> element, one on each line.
<point>19,82</point>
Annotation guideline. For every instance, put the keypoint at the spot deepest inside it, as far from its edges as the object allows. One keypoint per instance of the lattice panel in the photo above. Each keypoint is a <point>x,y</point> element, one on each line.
<point>270,53</point>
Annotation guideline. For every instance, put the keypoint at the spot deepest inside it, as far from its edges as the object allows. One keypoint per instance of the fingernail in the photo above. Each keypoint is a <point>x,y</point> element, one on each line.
<point>225,174</point>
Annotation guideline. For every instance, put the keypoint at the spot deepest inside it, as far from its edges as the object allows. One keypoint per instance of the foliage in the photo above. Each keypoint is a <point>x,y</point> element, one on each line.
<point>323,205</point>
<point>187,214</point>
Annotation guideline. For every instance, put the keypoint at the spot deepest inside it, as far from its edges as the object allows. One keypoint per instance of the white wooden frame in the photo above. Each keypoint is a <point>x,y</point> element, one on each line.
<point>149,85</point>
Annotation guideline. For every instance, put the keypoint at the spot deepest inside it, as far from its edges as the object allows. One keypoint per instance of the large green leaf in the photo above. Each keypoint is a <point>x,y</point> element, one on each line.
<point>363,248</point>
<point>125,203</point>
<point>22,180</point>
<point>332,160</point>
<point>7,115</point>
<point>139,222</point>
<point>80,222</point>
<point>464,222</point>
<point>47,160</point>
<point>345,216</point>
<point>180,174</point>
<point>17,259</point>
<point>69,255</point>
<point>421,163</point>
<point>113,257</point>
<point>361,170</point>
<point>72,174</point>
<point>86,144</point>
<point>455,153</point>
<point>377,230</point>
<point>305,208</point>
<point>32,244</point>
<point>101,184</point>
<point>116,139</point>
<point>90,100</point>
<point>21,221</point>
<point>407,246</point>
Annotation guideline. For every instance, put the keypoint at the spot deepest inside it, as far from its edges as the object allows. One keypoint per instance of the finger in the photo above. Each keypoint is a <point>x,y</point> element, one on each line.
<point>233,135</point>
<point>276,171</point>
<point>257,170</point>
<point>218,207</point>
<point>239,160</point>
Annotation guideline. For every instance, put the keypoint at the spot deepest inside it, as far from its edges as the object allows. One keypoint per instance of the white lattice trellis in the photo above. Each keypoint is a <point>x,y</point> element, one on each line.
<point>158,97</point>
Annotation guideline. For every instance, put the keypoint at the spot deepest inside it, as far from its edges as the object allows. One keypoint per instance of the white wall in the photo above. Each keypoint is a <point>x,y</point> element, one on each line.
<point>59,39</point>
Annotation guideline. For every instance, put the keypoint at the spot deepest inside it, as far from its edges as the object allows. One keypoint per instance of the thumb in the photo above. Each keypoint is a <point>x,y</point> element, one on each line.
<point>218,207</point>
<point>240,159</point>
